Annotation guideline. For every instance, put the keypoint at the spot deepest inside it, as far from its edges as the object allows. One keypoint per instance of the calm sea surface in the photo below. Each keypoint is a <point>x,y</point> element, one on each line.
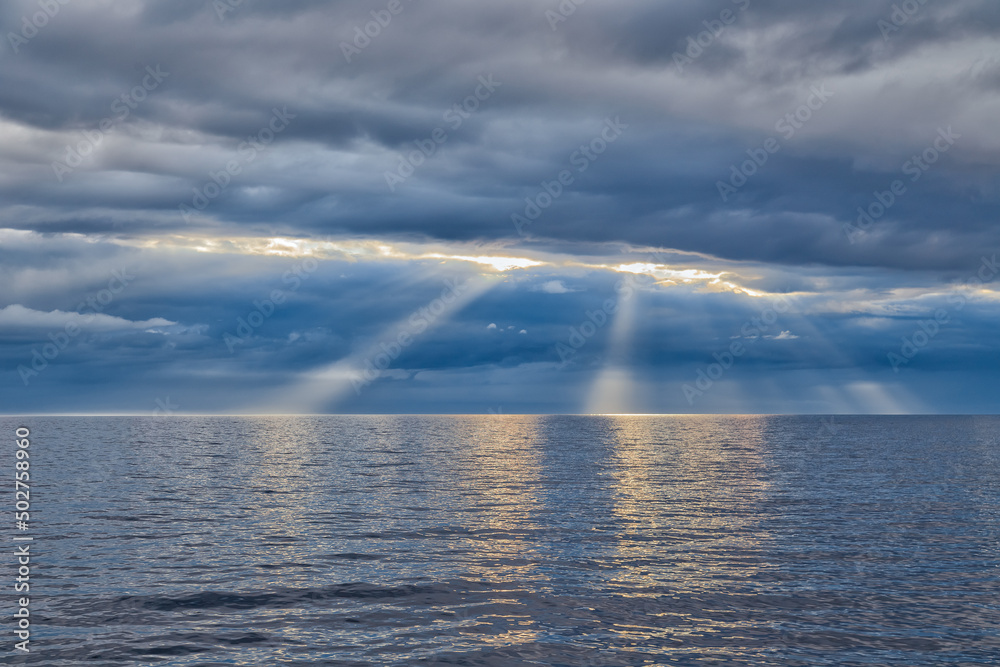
<point>508,540</point>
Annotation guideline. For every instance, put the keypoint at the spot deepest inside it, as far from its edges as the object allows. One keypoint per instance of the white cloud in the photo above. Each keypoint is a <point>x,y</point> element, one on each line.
<point>553,287</point>
<point>17,316</point>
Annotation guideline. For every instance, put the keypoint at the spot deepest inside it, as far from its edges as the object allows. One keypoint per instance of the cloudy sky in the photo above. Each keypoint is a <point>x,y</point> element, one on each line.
<point>670,206</point>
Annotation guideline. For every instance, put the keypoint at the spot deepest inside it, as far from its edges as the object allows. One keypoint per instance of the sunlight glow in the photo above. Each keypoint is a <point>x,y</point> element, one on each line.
<point>353,250</point>
<point>346,249</point>
<point>667,274</point>
<point>498,263</point>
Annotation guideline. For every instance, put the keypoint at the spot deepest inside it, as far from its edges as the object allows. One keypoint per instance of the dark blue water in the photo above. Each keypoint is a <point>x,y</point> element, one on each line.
<point>509,540</point>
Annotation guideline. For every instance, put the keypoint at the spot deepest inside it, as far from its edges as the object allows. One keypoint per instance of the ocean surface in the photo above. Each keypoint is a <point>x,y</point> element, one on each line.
<point>510,540</point>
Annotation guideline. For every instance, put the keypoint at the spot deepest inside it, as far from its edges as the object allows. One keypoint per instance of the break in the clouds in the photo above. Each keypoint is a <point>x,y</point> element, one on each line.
<point>392,206</point>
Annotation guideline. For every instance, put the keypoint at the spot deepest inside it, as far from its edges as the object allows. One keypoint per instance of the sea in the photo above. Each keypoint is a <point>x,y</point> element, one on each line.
<point>507,540</point>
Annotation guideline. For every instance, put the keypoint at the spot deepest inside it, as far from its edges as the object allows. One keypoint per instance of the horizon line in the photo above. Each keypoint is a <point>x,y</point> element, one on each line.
<point>500,414</point>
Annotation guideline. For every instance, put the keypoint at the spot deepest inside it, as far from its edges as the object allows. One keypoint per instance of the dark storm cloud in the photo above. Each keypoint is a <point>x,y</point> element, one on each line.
<point>326,172</point>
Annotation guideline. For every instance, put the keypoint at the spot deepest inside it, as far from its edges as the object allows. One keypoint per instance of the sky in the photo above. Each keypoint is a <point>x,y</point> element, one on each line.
<point>732,206</point>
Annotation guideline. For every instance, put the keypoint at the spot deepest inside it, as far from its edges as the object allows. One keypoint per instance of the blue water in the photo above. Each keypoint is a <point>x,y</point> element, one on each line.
<point>508,540</point>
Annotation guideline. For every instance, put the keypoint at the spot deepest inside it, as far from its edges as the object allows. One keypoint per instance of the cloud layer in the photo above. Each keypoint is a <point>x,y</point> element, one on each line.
<point>717,156</point>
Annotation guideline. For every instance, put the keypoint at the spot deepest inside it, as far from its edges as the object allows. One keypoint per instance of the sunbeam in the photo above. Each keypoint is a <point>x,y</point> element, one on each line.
<point>613,390</point>
<point>326,388</point>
